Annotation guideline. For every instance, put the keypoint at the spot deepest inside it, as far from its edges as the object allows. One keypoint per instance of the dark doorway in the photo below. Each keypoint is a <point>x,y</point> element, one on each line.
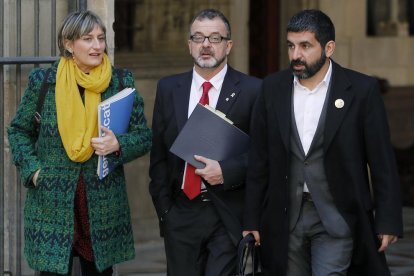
<point>125,25</point>
<point>264,37</point>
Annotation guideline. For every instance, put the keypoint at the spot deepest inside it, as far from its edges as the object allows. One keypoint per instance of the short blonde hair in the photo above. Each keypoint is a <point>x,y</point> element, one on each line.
<point>75,25</point>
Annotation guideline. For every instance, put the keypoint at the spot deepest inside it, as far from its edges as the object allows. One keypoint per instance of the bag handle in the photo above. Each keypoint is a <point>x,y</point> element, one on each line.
<point>246,250</point>
<point>41,99</point>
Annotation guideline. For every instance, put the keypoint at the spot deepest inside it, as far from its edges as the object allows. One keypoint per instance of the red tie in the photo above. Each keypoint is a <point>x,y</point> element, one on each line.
<point>192,181</point>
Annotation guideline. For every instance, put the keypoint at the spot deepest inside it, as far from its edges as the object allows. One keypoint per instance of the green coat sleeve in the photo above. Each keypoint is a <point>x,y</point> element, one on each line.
<point>22,131</point>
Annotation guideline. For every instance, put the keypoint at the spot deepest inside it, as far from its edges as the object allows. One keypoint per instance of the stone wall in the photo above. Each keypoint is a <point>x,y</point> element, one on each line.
<point>388,57</point>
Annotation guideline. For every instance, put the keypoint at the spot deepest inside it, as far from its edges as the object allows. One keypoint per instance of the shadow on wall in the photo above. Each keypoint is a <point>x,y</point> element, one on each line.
<point>404,156</point>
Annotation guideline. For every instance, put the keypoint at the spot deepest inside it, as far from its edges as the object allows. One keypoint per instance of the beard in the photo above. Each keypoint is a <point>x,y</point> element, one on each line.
<point>310,69</point>
<point>212,62</point>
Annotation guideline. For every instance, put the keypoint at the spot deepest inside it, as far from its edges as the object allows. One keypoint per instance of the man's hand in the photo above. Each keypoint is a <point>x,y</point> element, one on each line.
<point>106,144</point>
<point>212,172</point>
<point>255,234</point>
<point>386,240</point>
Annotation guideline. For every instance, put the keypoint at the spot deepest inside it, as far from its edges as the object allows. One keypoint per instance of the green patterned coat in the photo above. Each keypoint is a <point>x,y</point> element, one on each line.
<point>49,207</point>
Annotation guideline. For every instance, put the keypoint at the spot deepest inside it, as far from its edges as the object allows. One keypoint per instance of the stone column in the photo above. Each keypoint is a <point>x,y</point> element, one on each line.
<point>239,21</point>
<point>401,27</point>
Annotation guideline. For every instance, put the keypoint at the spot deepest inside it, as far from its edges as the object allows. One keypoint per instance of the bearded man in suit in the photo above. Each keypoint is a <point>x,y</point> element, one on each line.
<point>319,134</point>
<point>201,231</point>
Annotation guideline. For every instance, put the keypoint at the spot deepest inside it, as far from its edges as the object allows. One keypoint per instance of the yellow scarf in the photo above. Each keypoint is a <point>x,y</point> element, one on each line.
<point>78,121</point>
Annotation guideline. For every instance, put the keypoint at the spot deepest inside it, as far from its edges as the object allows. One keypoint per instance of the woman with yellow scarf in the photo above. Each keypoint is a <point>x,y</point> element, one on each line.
<point>68,210</point>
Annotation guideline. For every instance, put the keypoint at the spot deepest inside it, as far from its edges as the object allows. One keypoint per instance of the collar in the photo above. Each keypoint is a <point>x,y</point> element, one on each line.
<point>216,81</point>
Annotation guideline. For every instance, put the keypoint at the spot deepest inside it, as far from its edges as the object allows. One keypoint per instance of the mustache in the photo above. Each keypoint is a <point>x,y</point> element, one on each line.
<point>297,62</point>
<point>206,52</point>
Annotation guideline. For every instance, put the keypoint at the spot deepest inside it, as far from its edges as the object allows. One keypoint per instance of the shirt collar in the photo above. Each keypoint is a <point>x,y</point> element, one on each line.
<point>216,81</point>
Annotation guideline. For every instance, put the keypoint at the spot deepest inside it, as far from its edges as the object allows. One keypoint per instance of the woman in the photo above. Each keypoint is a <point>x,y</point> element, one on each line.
<point>69,211</point>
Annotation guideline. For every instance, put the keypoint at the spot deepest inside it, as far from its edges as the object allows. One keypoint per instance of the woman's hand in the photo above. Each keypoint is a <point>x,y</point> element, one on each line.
<point>35,176</point>
<point>107,144</point>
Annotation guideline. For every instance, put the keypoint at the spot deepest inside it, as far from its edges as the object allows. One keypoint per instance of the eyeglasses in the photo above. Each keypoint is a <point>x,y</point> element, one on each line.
<point>214,38</point>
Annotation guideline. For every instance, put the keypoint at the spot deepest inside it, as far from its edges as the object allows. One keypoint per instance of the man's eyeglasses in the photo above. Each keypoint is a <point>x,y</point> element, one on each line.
<point>214,38</point>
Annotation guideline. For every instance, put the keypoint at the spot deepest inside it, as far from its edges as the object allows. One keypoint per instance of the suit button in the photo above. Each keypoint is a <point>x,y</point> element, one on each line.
<point>285,210</point>
<point>306,163</point>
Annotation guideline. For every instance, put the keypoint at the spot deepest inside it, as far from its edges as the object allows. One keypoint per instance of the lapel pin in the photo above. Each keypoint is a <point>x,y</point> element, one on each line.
<point>233,94</point>
<point>339,103</point>
<point>227,99</point>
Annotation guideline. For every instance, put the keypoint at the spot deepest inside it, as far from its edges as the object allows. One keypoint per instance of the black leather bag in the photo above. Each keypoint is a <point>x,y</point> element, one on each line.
<point>248,258</point>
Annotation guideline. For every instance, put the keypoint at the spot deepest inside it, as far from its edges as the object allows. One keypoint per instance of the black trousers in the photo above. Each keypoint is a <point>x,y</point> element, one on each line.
<point>87,268</point>
<point>196,241</point>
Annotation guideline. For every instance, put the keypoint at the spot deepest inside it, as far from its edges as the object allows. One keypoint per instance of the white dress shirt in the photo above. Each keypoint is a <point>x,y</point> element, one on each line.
<point>197,89</point>
<point>308,106</point>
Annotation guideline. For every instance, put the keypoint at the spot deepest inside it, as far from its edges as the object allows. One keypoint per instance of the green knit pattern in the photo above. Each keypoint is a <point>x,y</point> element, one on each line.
<point>49,207</point>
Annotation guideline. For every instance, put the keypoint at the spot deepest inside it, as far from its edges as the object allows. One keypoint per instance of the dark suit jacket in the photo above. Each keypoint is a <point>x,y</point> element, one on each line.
<point>236,100</point>
<point>355,136</point>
